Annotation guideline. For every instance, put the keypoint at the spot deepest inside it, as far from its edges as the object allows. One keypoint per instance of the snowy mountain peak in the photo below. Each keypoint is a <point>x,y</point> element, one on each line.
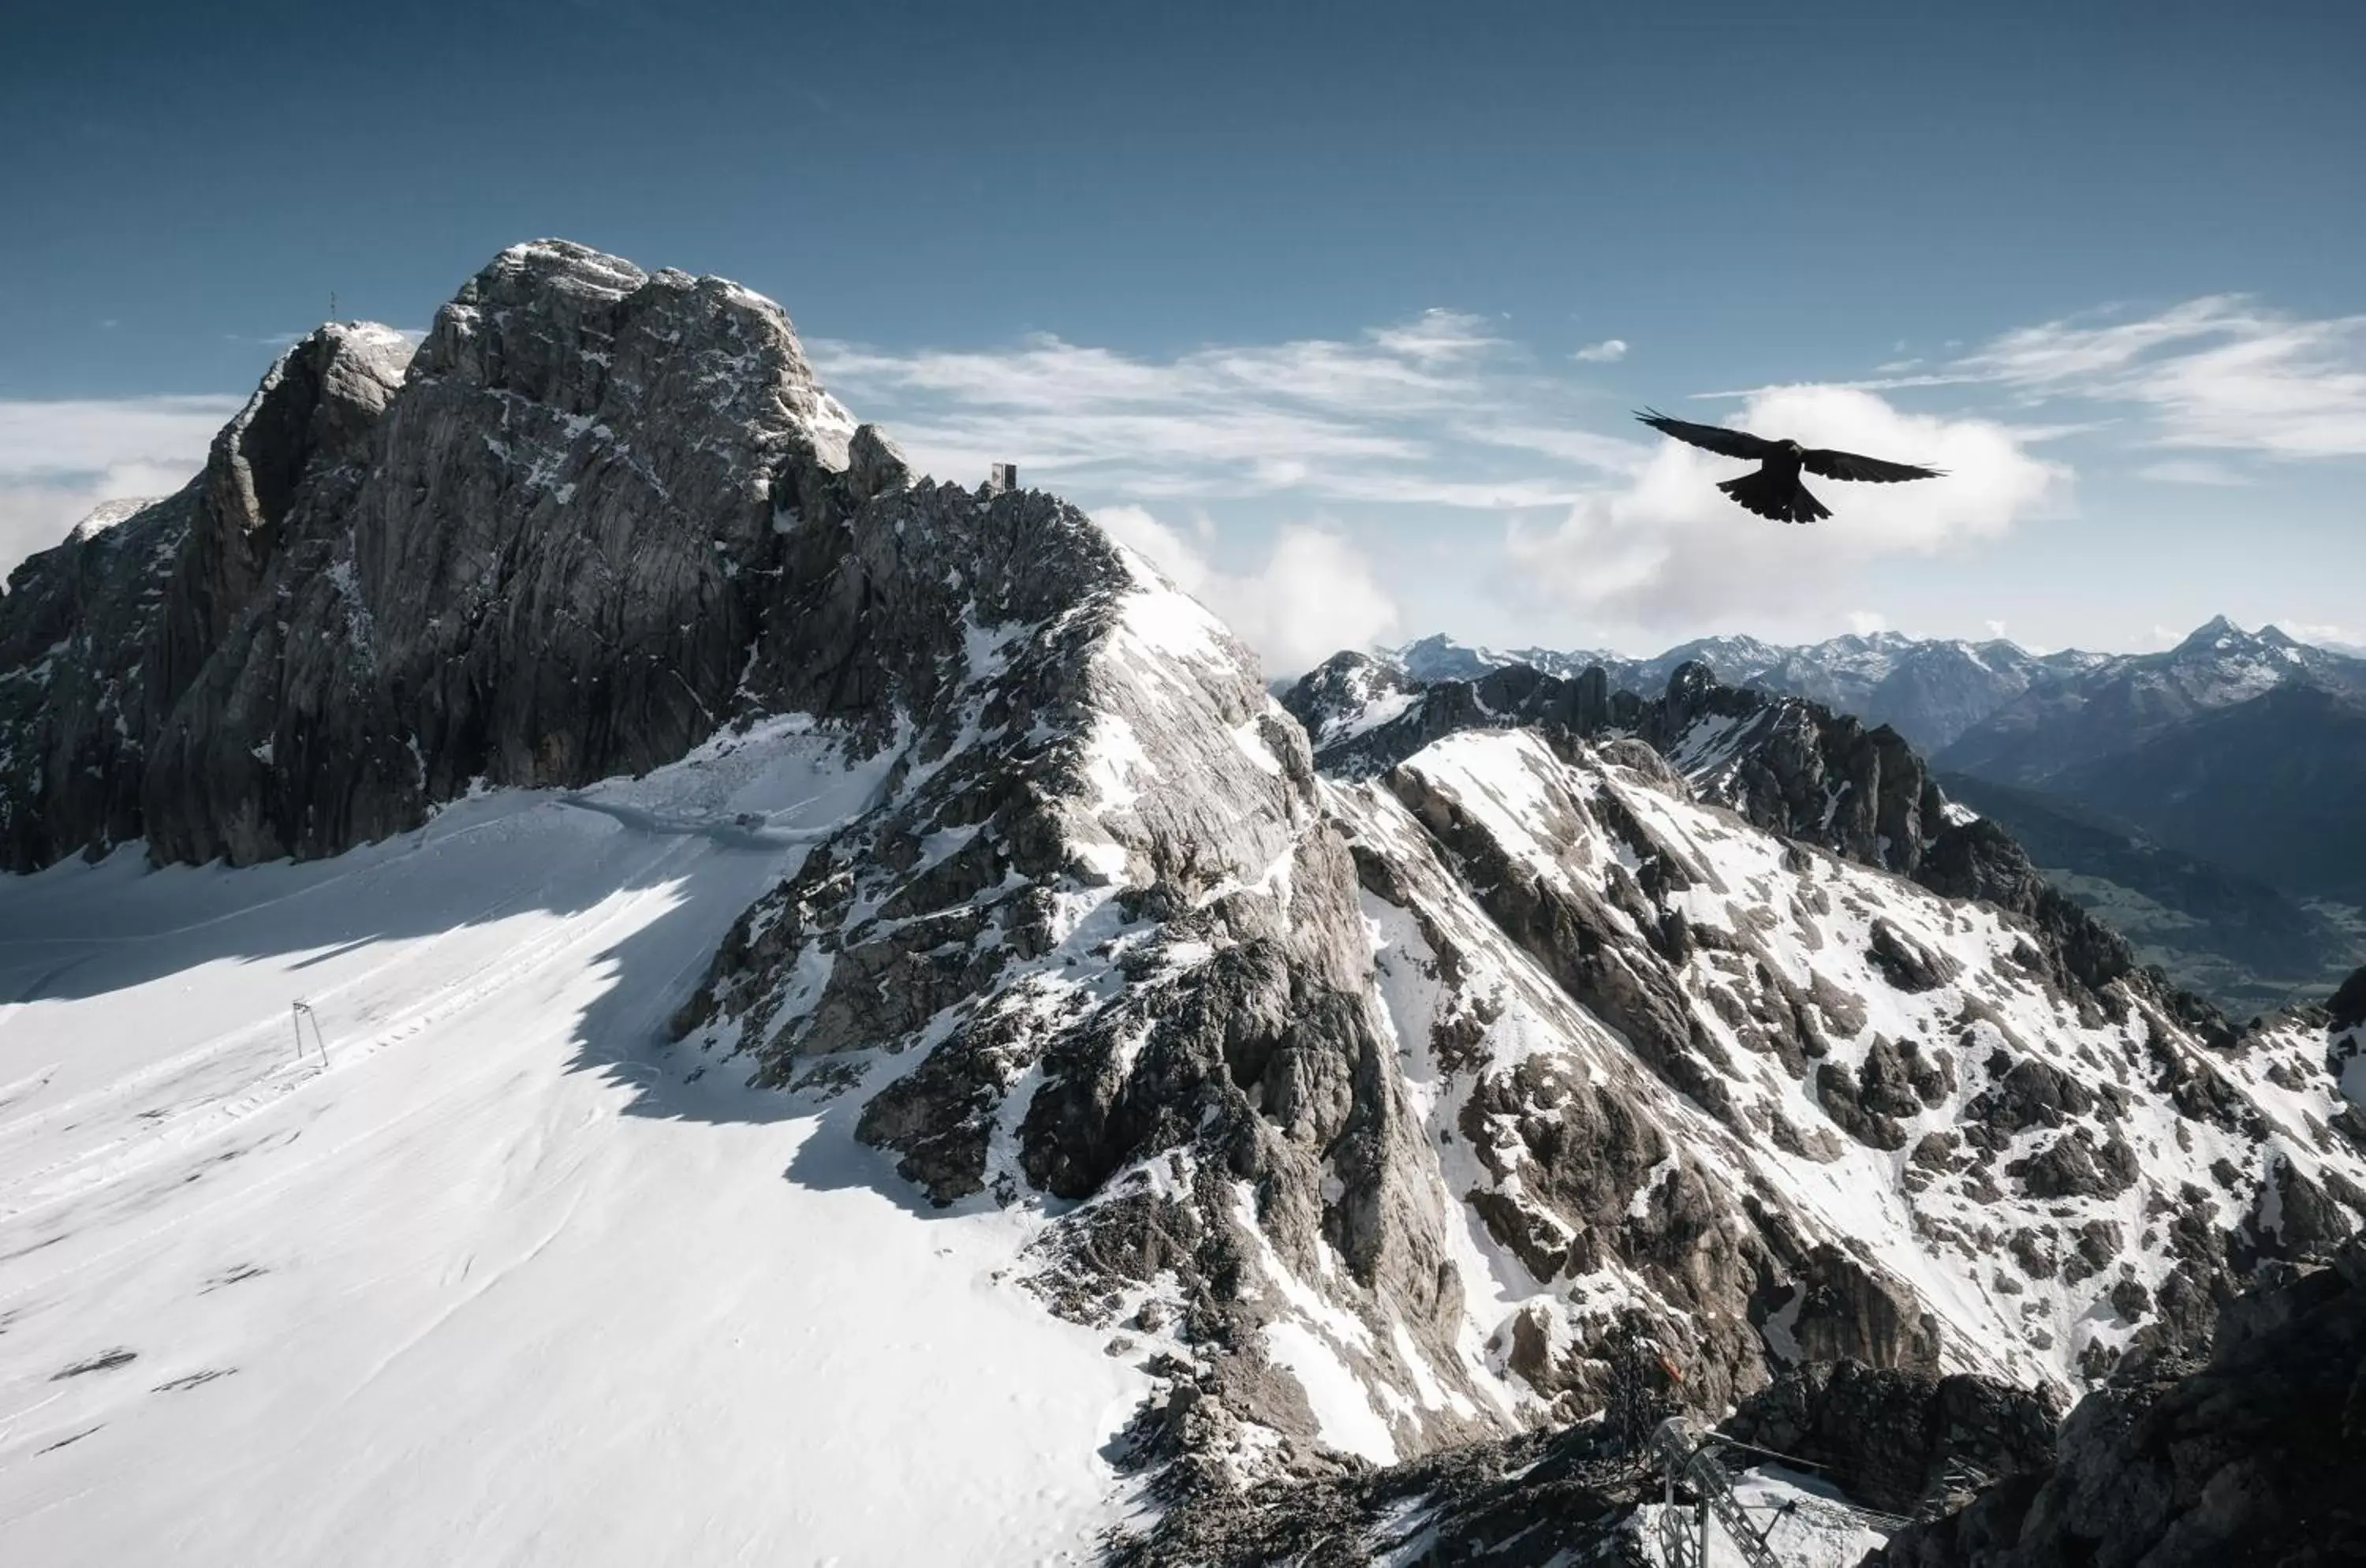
<point>106,514</point>
<point>734,882</point>
<point>1933,690</point>
<point>2216,633</point>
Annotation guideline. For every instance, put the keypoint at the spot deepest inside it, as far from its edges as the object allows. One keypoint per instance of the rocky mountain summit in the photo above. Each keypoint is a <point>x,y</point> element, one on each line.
<point>537,552</point>
<point>1362,1066</point>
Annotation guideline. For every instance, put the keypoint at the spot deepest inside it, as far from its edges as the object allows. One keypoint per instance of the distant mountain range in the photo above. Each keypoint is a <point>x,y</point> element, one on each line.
<point>2201,796</point>
<point>1929,689</point>
<point>770,924</point>
<point>2118,702</point>
<point>1935,690</point>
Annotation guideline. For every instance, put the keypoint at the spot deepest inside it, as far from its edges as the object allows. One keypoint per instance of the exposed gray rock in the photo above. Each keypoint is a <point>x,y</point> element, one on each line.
<point>1889,1436</point>
<point>2259,1456</point>
<point>1531,1501</point>
<point>550,556</point>
<point>1930,690</point>
<point>1548,1017</point>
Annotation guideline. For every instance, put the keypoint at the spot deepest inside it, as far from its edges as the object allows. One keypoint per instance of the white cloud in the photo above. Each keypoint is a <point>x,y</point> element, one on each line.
<point>1609,351</point>
<point>2342,638</point>
<point>1386,416</point>
<point>1996,628</point>
<point>1667,550</point>
<point>1314,594</point>
<point>2221,373</point>
<point>1864,622</point>
<point>2191,471</point>
<point>61,458</point>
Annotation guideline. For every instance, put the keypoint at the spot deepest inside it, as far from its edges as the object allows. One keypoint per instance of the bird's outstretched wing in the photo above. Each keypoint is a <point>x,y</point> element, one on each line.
<point>1715,437</point>
<point>1831,465</point>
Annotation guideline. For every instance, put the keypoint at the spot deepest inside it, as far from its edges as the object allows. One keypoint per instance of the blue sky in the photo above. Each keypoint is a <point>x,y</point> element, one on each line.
<point>1315,301</point>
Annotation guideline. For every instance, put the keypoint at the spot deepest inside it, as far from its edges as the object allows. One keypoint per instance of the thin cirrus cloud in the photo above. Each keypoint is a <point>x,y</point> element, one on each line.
<point>2193,471</point>
<point>2221,373</point>
<point>1440,413</point>
<point>1405,413</point>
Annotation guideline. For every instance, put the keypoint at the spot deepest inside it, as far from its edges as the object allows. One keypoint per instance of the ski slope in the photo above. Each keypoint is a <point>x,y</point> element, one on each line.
<point>500,1282</point>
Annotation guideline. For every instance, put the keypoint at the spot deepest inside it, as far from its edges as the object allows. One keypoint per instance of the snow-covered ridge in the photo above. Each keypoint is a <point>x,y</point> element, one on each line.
<point>764,849</point>
<point>1881,1067</point>
<point>1932,689</point>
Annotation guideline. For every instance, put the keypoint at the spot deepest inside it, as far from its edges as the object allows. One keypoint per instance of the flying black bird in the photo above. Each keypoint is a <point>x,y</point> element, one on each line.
<point>1775,491</point>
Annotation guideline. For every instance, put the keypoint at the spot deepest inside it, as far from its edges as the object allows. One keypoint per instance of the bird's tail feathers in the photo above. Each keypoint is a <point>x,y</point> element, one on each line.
<point>1776,496</point>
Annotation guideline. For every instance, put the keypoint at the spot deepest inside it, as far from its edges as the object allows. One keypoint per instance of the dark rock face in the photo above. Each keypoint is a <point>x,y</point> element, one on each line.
<point>2346,1010</point>
<point>2257,1456</point>
<point>1889,1437</point>
<point>1979,860</point>
<point>104,635</point>
<point>551,555</point>
<point>81,625</point>
<point>552,571</point>
<point>1786,765</point>
<point>1529,1501</point>
<point>1540,1017</point>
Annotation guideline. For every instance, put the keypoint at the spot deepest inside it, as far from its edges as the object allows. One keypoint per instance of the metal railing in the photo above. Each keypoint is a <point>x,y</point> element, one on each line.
<point>1682,1455</point>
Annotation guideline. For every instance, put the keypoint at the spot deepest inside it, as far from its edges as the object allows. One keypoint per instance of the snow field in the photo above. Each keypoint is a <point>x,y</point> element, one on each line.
<point>503,1282</point>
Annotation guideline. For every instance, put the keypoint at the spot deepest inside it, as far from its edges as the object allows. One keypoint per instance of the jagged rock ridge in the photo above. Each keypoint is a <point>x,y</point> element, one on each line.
<point>542,553</point>
<point>2256,1455</point>
<point>1361,1101</point>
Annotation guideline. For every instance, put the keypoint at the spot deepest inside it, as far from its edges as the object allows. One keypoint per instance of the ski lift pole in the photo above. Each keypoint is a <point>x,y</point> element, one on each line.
<point>300,1012</point>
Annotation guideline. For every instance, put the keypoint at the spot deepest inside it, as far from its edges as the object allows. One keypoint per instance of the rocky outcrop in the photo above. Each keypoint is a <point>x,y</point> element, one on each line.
<point>1362,1091</point>
<point>1892,1439</point>
<point>555,570</point>
<point>2346,1010</point>
<point>1689,1010</point>
<point>79,698</point>
<point>1789,766</point>
<point>104,636</point>
<point>2258,1455</point>
<point>550,554</point>
<point>1886,1439</point>
<point>1530,1501</point>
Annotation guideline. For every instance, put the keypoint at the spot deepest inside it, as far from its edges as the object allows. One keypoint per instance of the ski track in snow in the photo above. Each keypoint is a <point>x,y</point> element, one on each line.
<point>505,1281</point>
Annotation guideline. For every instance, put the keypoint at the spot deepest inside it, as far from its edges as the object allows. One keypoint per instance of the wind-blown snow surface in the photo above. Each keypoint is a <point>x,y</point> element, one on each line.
<point>500,1281</point>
